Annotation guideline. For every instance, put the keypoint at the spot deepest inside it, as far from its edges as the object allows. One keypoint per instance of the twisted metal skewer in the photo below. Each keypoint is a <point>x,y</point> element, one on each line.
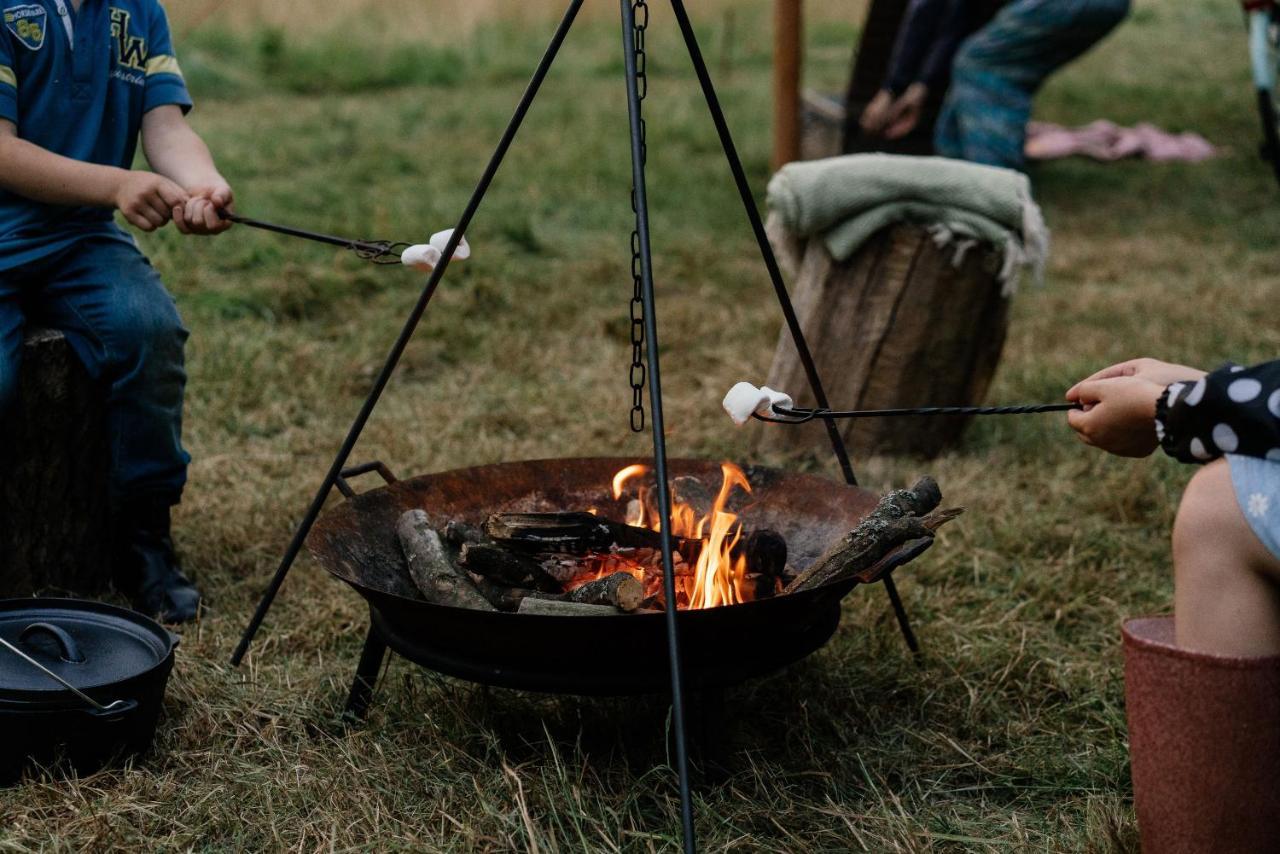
<point>373,251</point>
<point>803,416</point>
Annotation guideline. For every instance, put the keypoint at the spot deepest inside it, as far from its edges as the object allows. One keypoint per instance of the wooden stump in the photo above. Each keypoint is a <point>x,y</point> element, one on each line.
<point>54,463</point>
<point>897,325</point>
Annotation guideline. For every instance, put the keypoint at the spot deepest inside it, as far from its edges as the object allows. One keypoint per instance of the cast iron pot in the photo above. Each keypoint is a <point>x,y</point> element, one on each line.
<point>117,660</point>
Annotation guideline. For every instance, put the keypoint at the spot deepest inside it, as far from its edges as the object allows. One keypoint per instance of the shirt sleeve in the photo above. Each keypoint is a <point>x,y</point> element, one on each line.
<point>924,23</point>
<point>165,84</point>
<point>1233,410</point>
<point>8,80</point>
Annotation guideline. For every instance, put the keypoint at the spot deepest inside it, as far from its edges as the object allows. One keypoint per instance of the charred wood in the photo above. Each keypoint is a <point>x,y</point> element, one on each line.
<point>765,551</point>
<point>432,571</point>
<point>507,568</point>
<point>459,534</point>
<point>572,533</point>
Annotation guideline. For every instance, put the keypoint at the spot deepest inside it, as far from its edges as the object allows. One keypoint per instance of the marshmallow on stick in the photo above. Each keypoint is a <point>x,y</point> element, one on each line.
<point>426,256</point>
<point>745,400</point>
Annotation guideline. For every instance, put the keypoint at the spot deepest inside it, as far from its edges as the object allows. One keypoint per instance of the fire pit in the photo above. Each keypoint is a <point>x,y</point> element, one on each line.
<point>606,654</point>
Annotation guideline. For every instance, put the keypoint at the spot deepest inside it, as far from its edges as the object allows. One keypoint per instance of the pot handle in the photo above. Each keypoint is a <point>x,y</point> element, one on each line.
<point>110,710</point>
<point>114,711</point>
<point>364,468</point>
<point>67,647</point>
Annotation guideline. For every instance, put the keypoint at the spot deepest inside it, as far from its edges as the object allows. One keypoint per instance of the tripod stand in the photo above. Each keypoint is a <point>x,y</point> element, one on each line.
<point>646,373</point>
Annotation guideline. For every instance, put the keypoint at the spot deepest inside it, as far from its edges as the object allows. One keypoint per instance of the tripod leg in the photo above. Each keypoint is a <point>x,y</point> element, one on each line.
<point>406,334</point>
<point>641,244</point>
<point>775,276</point>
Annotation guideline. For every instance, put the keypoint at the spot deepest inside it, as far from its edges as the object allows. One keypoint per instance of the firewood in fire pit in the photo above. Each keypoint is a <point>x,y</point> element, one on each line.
<point>895,521</point>
<point>432,572</point>
<point>765,550</point>
<point>560,608</point>
<point>507,568</point>
<point>459,534</point>
<point>572,533</point>
<point>690,490</point>
<point>620,590</point>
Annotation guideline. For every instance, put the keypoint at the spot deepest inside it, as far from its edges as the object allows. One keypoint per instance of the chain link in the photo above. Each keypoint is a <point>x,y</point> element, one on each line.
<point>637,376</point>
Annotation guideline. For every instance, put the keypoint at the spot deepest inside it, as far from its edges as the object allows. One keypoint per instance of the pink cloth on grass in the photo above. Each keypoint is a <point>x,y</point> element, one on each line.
<point>1104,140</point>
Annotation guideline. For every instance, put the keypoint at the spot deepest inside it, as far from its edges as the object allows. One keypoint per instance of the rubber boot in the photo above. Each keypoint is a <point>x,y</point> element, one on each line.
<point>146,566</point>
<point>1204,745</point>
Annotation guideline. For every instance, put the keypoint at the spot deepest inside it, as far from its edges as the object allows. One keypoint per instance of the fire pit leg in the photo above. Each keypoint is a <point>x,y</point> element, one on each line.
<point>375,652</point>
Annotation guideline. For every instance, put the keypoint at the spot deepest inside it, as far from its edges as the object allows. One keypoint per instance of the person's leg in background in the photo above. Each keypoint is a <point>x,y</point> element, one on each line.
<point>998,71</point>
<point>1226,557</point>
<point>109,301</point>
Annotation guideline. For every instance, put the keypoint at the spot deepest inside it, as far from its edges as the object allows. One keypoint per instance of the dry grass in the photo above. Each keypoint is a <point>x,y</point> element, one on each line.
<point>1008,736</point>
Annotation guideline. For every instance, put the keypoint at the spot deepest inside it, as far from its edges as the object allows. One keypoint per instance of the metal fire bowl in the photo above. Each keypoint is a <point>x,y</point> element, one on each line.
<point>611,655</point>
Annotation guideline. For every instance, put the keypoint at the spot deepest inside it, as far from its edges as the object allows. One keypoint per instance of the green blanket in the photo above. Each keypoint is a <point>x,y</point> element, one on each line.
<point>845,200</point>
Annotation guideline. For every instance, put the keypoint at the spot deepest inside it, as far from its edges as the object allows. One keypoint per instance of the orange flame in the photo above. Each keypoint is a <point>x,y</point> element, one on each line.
<point>718,577</point>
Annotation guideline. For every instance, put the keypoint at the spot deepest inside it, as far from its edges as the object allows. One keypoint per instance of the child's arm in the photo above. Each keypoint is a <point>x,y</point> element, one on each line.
<point>1131,408</point>
<point>146,199</point>
<point>1233,410</point>
<point>176,151</point>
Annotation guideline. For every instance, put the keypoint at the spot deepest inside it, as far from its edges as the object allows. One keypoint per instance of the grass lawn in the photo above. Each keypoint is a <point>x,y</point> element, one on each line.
<point>1010,733</point>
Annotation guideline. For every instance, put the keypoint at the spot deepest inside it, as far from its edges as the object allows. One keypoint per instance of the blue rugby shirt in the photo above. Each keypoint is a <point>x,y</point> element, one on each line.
<point>85,102</point>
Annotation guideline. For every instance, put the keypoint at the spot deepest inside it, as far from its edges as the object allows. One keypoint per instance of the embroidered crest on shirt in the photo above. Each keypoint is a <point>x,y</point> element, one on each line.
<point>131,50</point>
<point>27,23</point>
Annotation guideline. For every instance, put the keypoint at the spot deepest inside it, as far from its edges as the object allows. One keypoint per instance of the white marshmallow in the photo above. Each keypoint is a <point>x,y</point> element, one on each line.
<point>745,400</point>
<point>426,256</point>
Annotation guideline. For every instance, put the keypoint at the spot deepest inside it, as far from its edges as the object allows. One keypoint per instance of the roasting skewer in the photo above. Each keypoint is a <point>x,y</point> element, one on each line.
<point>422,256</point>
<point>744,402</point>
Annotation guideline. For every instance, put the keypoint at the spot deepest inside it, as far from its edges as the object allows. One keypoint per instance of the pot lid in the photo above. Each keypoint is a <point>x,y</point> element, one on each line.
<point>89,644</point>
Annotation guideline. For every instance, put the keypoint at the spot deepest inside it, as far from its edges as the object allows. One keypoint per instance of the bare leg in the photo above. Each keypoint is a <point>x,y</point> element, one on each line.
<point>1227,584</point>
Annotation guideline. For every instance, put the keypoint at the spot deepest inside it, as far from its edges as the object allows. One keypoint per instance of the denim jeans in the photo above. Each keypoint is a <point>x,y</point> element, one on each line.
<point>104,295</point>
<point>999,69</point>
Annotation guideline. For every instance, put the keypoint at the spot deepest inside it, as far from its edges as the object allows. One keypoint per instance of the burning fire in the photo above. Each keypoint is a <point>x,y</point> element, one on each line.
<point>708,572</point>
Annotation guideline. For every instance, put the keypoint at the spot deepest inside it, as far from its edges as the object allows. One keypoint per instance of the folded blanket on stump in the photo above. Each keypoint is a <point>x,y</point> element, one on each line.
<point>845,200</point>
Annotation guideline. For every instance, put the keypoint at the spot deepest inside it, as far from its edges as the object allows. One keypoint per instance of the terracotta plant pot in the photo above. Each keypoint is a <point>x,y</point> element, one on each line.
<point>1204,745</point>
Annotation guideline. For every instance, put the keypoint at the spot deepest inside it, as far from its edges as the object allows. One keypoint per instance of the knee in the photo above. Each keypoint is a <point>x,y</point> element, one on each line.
<point>150,331</point>
<point>1211,535</point>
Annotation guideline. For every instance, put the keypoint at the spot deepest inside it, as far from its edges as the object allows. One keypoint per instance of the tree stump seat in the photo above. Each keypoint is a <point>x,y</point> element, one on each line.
<point>897,325</point>
<point>54,466</point>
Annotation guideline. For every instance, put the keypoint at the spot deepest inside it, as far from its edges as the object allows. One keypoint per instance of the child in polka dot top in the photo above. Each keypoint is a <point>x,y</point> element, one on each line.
<point>1226,541</point>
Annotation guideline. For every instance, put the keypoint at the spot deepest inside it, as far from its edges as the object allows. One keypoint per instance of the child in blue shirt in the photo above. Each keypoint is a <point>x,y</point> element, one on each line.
<point>80,81</point>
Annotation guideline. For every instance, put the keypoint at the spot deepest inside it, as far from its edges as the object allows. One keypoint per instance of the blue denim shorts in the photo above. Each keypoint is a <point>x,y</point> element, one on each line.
<point>1257,484</point>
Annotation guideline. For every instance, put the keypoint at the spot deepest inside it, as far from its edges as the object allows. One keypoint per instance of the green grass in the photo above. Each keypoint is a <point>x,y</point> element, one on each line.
<point>1009,735</point>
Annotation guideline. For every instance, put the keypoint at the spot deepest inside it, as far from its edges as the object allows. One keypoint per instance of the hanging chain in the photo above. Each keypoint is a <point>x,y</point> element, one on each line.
<point>640,10</point>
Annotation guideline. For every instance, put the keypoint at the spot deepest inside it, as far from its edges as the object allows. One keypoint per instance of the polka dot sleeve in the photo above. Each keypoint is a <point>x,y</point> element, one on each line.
<point>1233,410</point>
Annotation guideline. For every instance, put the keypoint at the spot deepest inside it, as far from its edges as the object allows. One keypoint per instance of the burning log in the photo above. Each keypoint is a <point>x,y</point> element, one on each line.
<point>620,590</point>
<point>560,608</point>
<point>895,523</point>
<point>572,533</point>
<point>765,551</point>
<point>692,491</point>
<point>507,568</point>
<point>432,571</point>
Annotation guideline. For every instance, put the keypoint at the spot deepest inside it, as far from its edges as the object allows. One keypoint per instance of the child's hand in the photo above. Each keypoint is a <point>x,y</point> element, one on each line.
<point>200,214</point>
<point>1153,370</point>
<point>147,200</point>
<point>1119,414</point>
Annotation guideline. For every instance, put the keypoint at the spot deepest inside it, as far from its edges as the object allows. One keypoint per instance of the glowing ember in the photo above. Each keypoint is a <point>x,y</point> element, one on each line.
<point>708,573</point>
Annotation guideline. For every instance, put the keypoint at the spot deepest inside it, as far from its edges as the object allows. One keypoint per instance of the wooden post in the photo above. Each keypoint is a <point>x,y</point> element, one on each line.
<point>896,325</point>
<point>788,39</point>
<point>54,463</point>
